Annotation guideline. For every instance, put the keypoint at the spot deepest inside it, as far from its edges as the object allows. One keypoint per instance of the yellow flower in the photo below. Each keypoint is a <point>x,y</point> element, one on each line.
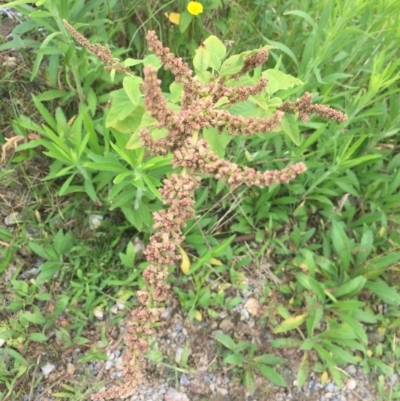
<point>194,7</point>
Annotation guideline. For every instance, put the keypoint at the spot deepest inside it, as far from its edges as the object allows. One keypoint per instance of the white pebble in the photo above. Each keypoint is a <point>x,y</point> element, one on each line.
<point>351,384</point>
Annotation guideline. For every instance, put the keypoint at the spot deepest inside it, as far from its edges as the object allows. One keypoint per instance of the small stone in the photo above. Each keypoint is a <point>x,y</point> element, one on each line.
<point>166,315</point>
<point>12,219</point>
<point>351,369</point>
<point>351,384</point>
<point>48,368</point>
<point>114,309</point>
<point>330,387</point>
<point>108,365</point>
<point>98,313</point>
<point>172,395</point>
<point>95,221</point>
<point>328,396</point>
<point>222,391</point>
<point>244,314</point>
<point>226,325</point>
<point>70,369</point>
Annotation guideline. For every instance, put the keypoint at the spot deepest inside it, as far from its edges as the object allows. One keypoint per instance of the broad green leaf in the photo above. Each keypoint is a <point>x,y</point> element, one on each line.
<point>278,80</point>
<point>129,62</point>
<point>249,381</point>
<point>347,305</point>
<point>132,88</point>
<point>386,293</point>
<point>339,355</point>
<point>121,107</point>
<point>380,264</point>
<point>290,323</point>
<point>53,94</point>
<point>14,354</point>
<point>311,284</point>
<point>356,326</point>
<point>225,340</point>
<point>271,375</point>
<point>290,128</point>
<point>304,370</point>
<point>222,247</point>
<point>176,92</point>
<point>231,66</point>
<point>152,60</point>
<point>185,20</point>
<point>269,359</point>
<point>218,142</point>
<point>234,359</point>
<point>201,60</point>
<point>217,51</point>
<point>351,288</point>
<point>341,244</point>
<point>38,337</point>
<point>35,318</point>
<point>343,332</point>
<point>315,312</point>
<point>130,123</point>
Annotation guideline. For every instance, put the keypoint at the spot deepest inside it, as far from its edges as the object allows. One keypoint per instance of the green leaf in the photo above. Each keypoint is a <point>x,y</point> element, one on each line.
<point>61,304</point>
<point>380,264</point>
<point>304,370</point>
<point>290,128</point>
<point>153,60</point>
<point>35,318</point>
<point>38,337</point>
<point>315,312</point>
<point>53,94</point>
<point>387,294</point>
<point>351,288</point>
<point>201,60</point>
<point>249,381</point>
<point>234,359</point>
<point>121,107</point>
<point>132,88</point>
<point>283,48</point>
<point>311,284</point>
<point>303,15</point>
<point>271,375</point>
<point>269,359</point>
<point>93,356</point>
<point>356,326</point>
<point>231,66</point>
<point>185,20</point>
<point>217,142</point>
<point>221,248</point>
<point>343,332</point>
<point>352,305</point>
<point>278,80</point>
<point>341,244</point>
<point>217,51</point>
<point>176,92</point>
<point>290,323</point>
<point>225,340</point>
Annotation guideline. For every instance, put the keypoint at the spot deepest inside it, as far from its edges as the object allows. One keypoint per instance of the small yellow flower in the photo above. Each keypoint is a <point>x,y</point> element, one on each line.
<point>194,7</point>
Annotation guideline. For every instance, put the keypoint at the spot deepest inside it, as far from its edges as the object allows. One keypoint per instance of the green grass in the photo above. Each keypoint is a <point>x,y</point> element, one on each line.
<point>332,235</point>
